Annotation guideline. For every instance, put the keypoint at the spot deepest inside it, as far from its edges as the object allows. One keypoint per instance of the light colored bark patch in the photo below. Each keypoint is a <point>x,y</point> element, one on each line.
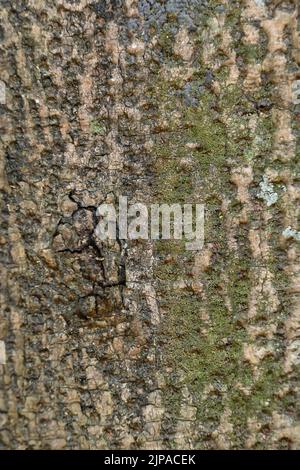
<point>2,92</point>
<point>291,233</point>
<point>267,192</point>
<point>2,353</point>
<point>183,47</point>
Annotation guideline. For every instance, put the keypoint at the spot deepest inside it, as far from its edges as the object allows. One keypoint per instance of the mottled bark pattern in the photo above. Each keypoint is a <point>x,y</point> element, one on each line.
<point>141,344</point>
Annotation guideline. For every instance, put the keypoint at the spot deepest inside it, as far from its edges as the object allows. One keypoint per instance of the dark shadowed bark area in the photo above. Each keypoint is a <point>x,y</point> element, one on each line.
<point>141,344</point>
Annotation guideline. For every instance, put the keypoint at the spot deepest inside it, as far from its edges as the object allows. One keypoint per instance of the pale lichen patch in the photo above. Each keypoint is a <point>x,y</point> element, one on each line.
<point>183,47</point>
<point>267,192</point>
<point>289,232</point>
<point>2,353</point>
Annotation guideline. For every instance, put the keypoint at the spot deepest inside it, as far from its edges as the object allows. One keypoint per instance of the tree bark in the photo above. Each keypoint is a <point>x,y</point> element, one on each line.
<point>140,344</point>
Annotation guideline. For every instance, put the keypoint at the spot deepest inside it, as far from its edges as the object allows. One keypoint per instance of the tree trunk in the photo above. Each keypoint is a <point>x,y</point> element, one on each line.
<point>141,344</point>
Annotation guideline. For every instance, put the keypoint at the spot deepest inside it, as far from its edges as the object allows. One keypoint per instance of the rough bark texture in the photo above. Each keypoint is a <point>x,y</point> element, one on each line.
<point>143,344</point>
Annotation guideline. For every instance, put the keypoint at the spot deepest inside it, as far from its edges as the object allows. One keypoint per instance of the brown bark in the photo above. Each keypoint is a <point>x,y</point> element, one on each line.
<point>140,344</point>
